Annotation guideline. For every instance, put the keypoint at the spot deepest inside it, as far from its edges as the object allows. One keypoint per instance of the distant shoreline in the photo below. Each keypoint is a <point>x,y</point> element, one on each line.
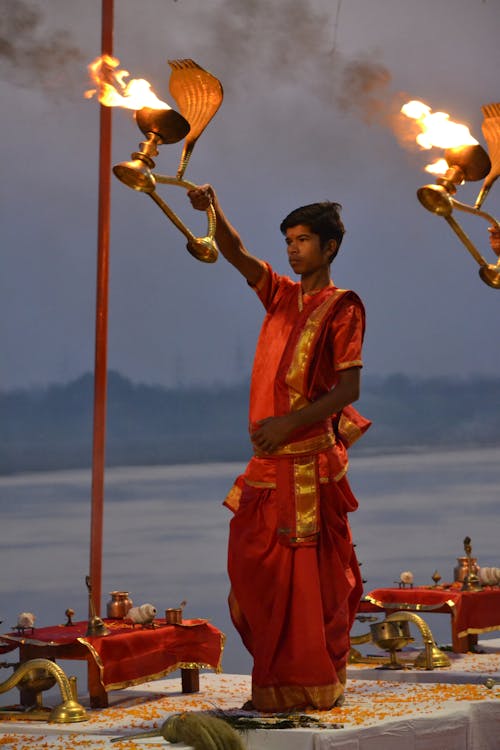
<point>51,429</point>
<point>411,451</point>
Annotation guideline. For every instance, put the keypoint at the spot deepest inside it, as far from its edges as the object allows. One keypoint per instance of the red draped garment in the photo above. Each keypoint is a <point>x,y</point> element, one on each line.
<point>295,580</point>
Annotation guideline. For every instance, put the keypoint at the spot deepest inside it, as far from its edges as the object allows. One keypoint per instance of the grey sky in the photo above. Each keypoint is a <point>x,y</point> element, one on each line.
<point>306,116</point>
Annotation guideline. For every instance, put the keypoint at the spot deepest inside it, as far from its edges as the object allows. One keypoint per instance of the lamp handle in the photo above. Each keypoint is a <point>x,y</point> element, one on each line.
<point>489,272</point>
<point>202,248</point>
<point>475,211</point>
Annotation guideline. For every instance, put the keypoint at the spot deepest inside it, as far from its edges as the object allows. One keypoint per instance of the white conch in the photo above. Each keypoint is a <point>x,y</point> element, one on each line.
<point>26,620</point>
<point>489,576</point>
<point>406,576</point>
<point>142,615</point>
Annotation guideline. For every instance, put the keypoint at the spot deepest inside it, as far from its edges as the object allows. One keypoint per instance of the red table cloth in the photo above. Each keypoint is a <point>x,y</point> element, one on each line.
<point>473,612</point>
<point>131,654</point>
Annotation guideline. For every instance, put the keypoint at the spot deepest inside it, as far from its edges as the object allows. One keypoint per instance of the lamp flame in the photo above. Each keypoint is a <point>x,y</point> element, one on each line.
<point>437,167</point>
<point>436,128</point>
<point>113,91</point>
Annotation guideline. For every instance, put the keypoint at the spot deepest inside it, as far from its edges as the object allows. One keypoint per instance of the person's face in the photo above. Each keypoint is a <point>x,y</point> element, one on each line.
<point>305,253</point>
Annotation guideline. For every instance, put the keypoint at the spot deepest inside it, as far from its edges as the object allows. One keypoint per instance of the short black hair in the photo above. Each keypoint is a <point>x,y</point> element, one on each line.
<point>322,218</point>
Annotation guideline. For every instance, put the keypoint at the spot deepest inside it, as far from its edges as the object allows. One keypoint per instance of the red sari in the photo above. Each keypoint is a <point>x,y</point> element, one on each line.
<point>295,580</point>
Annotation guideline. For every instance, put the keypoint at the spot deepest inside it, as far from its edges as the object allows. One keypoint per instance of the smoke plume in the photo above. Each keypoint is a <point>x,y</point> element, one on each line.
<point>32,55</point>
<point>294,43</point>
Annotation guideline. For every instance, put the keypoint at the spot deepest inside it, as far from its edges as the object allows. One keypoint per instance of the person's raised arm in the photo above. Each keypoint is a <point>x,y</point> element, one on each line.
<point>226,236</point>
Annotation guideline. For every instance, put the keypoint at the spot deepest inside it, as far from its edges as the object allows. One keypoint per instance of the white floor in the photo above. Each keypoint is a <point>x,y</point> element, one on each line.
<point>448,708</point>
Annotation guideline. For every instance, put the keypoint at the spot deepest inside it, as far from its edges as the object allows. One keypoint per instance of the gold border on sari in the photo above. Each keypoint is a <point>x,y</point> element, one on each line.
<point>296,376</point>
<point>306,498</point>
<point>347,365</point>
<point>310,445</point>
<point>287,697</point>
<point>349,430</point>
<point>233,497</point>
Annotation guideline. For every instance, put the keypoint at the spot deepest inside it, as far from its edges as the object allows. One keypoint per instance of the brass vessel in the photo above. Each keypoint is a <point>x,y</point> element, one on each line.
<point>432,657</point>
<point>391,636</point>
<point>394,633</point>
<point>465,164</point>
<point>173,616</point>
<point>471,580</point>
<point>461,569</point>
<point>39,675</point>
<point>198,95</point>
<point>118,605</point>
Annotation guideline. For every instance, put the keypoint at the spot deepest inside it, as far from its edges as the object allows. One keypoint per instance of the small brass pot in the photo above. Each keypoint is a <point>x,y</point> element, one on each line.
<point>173,616</point>
<point>391,635</point>
<point>118,605</point>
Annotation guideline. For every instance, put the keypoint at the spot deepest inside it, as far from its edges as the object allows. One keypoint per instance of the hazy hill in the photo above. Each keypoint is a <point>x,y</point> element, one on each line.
<point>51,428</point>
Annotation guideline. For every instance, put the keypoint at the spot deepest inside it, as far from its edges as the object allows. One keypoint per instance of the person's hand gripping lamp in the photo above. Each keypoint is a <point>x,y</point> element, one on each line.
<point>198,95</point>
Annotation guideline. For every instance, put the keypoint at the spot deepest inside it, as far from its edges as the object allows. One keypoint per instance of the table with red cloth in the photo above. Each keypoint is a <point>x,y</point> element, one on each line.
<point>472,612</point>
<point>129,655</point>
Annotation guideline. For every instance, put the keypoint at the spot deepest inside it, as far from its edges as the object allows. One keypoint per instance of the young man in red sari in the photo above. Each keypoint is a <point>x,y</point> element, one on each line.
<point>295,580</point>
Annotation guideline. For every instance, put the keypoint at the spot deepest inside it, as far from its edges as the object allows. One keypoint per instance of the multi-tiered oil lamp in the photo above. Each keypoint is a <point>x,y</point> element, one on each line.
<point>466,161</point>
<point>198,95</point>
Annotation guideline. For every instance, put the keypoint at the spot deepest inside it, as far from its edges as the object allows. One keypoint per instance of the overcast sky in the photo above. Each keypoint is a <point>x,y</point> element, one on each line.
<point>311,88</point>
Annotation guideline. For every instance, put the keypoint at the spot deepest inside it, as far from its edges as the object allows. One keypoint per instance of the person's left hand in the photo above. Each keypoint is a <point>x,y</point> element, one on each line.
<point>272,432</point>
<point>201,197</point>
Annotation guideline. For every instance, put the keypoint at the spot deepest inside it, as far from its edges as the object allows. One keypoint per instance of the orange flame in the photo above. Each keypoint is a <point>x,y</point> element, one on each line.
<point>113,91</point>
<point>437,167</point>
<point>437,130</point>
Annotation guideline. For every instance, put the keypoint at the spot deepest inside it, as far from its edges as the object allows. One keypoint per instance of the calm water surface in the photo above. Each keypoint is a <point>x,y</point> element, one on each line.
<point>165,533</point>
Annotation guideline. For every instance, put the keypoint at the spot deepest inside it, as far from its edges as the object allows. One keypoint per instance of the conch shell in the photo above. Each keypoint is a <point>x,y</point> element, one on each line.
<point>406,576</point>
<point>142,615</point>
<point>489,576</point>
<point>26,620</point>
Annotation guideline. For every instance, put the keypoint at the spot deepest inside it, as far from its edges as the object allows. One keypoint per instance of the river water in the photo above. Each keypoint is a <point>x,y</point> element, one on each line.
<point>165,533</point>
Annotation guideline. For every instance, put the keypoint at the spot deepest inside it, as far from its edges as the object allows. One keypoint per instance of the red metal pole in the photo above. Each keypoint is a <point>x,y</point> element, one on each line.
<point>101,326</point>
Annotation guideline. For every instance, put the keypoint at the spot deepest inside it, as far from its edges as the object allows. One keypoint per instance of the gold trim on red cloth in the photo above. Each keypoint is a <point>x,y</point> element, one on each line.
<point>347,365</point>
<point>261,485</point>
<point>121,685</point>
<point>409,605</point>
<point>310,445</point>
<point>129,655</point>
<point>297,372</point>
<point>350,425</point>
<point>233,497</point>
<point>477,631</point>
<point>298,500</point>
<point>272,485</point>
<point>306,498</point>
<point>276,698</point>
<point>339,476</point>
<point>472,612</point>
<point>349,430</point>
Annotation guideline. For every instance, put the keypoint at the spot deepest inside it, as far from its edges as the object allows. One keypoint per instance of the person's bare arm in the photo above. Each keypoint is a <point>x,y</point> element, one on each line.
<point>275,431</point>
<point>226,236</point>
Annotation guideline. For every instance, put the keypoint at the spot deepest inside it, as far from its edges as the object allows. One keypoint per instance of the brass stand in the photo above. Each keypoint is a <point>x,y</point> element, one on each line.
<point>391,635</point>
<point>432,657</point>
<point>471,580</point>
<point>96,626</point>
<point>38,675</point>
